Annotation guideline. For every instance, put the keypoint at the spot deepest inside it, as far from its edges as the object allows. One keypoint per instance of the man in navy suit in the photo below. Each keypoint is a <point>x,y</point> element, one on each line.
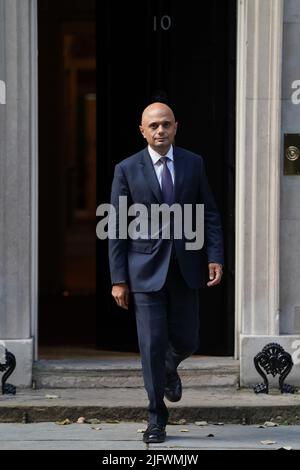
<point>161,275</point>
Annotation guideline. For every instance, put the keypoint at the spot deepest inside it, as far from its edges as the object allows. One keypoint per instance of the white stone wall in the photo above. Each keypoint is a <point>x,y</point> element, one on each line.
<point>16,153</point>
<point>266,302</point>
<point>269,223</point>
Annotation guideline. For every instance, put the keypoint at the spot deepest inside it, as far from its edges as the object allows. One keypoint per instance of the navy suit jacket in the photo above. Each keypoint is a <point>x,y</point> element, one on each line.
<point>143,264</point>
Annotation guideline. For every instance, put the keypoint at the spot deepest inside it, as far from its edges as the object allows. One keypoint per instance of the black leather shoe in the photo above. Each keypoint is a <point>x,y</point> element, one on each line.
<point>155,433</point>
<point>173,387</point>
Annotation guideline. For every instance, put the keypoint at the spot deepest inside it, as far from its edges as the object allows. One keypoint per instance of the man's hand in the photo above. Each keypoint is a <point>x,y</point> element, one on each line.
<point>215,274</point>
<point>120,293</point>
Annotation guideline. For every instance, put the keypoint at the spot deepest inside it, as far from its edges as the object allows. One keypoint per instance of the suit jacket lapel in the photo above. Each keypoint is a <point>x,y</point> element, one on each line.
<point>179,166</point>
<point>150,175</point>
<point>151,178</point>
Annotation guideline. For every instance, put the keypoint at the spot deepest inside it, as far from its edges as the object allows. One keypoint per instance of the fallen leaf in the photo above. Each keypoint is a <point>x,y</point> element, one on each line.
<point>180,421</point>
<point>141,430</point>
<point>183,430</point>
<point>81,420</point>
<point>267,442</point>
<point>64,422</point>
<point>270,424</point>
<point>93,421</point>
<point>96,428</point>
<point>201,423</point>
<point>51,396</point>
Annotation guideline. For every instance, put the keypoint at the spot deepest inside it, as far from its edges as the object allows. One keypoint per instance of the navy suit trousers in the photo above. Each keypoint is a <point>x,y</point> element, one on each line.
<point>168,332</point>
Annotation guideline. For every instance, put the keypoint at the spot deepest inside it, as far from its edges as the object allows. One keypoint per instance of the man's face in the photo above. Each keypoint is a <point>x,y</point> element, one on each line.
<point>159,128</point>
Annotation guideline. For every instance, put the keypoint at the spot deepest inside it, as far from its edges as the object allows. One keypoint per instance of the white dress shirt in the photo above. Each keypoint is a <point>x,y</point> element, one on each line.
<point>158,165</point>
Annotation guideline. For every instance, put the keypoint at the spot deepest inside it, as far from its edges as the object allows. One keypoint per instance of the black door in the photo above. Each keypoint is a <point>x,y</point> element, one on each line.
<point>182,53</point>
<point>67,186</point>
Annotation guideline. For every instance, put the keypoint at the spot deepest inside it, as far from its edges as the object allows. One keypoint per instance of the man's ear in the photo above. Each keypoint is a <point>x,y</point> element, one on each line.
<point>142,130</point>
<point>176,125</point>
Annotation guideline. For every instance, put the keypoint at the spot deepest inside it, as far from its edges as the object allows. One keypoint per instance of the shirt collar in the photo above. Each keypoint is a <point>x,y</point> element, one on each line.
<point>155,156</point>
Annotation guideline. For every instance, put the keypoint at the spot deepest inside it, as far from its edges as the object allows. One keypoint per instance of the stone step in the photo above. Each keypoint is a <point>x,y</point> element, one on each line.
<point>214,405</point>
<point>126,372</point>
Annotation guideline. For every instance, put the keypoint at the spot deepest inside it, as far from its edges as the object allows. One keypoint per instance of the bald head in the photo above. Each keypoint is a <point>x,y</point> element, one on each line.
<point>155,109</point>
<point>158,127</point>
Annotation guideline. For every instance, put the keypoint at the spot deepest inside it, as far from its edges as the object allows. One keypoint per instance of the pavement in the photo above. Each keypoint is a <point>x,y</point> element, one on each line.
<point>205,418</point>
<point>128,436</point>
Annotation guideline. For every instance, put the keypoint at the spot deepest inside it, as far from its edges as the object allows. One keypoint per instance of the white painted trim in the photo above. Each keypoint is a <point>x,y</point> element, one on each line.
<point>34,173</point>
<point>240,164</point>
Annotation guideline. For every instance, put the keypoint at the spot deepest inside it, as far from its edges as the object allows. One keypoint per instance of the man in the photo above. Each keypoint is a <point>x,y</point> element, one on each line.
<point>161,275</point>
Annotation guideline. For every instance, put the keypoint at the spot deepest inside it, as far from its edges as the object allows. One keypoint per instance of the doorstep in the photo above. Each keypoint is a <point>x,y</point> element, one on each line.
<point>126,371</point>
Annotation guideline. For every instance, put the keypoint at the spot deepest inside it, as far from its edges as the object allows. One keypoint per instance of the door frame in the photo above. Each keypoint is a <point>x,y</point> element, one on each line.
<point>250,27</point>
<point>34,171</point>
